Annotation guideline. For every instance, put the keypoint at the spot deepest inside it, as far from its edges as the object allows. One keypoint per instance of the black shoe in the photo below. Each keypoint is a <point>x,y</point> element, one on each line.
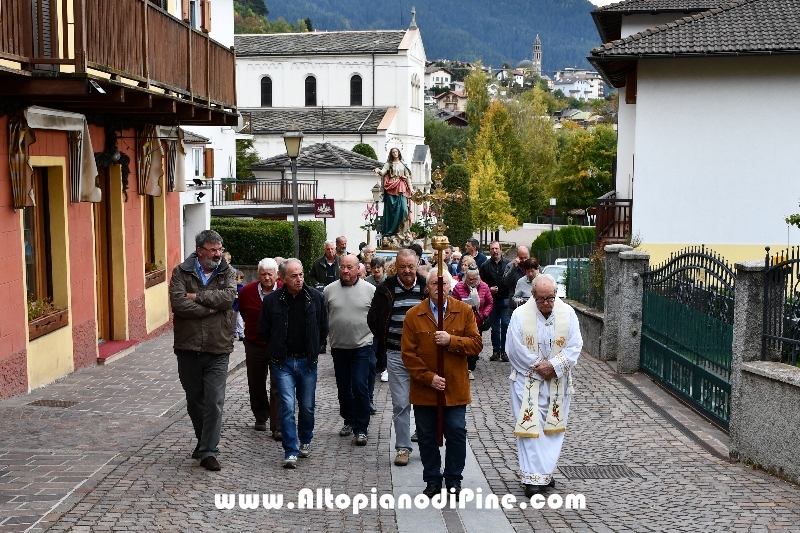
<point>495,356</point>
<point>260,426</point>
<point>372,409</point>
<point>210,463</point>
<point>457,487</point>
<point>414,437</point>
<point>503,357</point>
<point>552,483</point>
<point>432,489</point>
<point>323,349</point>
<point>532,490</point>
<point>277,435</point>
<point>196,453</point>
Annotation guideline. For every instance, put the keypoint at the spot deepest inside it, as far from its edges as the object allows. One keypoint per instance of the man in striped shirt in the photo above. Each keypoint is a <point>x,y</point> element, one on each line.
<point>392,300</point>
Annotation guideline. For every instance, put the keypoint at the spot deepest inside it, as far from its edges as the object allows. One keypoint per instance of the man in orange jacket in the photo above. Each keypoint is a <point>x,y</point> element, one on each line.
<point>460,339</point>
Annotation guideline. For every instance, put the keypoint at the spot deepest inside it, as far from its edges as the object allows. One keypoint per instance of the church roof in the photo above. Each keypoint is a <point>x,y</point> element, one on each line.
<point>740,28</point>
<point>318,43</point>
<point>320,155</point>
<point>420,153</point>
<point>317,119</point>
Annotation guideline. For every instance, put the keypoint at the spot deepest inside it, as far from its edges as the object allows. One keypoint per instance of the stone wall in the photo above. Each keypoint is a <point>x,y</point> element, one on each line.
<point>591,321</point>
<point>768,422</point>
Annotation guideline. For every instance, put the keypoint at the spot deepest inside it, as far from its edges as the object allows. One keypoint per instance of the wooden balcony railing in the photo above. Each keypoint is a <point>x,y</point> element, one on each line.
<point>134,39</point>
<point>614,216</point>
<point>261,191</point>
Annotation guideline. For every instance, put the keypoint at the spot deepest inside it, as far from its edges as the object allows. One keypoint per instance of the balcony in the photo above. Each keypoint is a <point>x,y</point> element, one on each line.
<point>260,197</point>
<point>613,222</point>
<point>123,57</point>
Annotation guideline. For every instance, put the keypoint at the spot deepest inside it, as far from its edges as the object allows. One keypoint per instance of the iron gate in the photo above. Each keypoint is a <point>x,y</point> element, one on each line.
<point>781,340</point>
<point>687,329</point>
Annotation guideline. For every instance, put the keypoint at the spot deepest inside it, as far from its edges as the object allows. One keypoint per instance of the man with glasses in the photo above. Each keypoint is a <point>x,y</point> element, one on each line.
<point>201,292</point>
<point>543,345</point>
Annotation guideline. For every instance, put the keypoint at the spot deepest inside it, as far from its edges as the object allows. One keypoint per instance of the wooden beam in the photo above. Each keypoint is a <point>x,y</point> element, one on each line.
<point>44,87</point>
<point>165,105</point>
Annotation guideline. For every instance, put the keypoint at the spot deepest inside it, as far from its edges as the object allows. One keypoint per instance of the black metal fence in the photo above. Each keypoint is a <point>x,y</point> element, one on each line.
<point>548,257</point>
<point>781,339</point>
<point>258,191</point>
<point>586,281</point>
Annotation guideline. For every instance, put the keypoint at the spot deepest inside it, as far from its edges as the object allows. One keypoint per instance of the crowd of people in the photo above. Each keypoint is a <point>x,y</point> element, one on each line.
<point>380,319</point>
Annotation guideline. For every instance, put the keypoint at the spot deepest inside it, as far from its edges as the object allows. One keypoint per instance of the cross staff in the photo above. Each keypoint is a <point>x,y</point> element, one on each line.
<point>438,197</point>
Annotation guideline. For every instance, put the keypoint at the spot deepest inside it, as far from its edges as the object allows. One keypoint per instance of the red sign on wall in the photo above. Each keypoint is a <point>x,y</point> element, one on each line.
<point>324,208</point>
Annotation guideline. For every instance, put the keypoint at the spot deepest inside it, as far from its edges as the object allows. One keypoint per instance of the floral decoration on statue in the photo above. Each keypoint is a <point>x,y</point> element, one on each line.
<point>426,223</point>
<point>370,215</point>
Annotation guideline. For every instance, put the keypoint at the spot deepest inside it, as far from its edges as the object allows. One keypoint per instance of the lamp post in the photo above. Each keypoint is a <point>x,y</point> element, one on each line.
<point>376,197</point>
<point>293,139</point>
<point>552,233</point>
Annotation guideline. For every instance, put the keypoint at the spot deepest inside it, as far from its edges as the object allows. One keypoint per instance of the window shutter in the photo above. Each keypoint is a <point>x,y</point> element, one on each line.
<point>208,162</point>
<point>630,87</point>
<point>185,16</point>
<point>205,7</point>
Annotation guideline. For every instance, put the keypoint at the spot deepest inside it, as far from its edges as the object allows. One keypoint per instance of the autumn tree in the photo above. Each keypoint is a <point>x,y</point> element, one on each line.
<point>477,94</point>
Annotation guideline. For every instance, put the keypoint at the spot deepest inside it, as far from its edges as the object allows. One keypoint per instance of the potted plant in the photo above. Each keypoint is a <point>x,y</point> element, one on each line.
<point>154,273</point>
<point>44,317</point>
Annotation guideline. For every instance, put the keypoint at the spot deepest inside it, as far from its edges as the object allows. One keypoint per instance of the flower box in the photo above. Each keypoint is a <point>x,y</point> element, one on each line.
<point>155,277</point>
<point>48,323</point>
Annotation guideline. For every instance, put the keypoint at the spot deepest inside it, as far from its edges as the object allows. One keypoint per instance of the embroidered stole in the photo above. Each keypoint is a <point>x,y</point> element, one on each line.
<point>528,420</point>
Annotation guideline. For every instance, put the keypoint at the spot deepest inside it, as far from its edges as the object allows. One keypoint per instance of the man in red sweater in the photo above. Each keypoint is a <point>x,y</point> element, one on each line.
<point>255,349</point>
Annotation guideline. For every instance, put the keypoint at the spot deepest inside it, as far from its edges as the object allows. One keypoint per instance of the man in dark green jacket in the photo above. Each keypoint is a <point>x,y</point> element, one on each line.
<point>201,293</point>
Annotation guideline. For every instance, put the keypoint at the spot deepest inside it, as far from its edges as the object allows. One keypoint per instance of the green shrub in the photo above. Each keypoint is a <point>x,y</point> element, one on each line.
<point>542,242</point>
<point>458,217</point>
<point>250,241</point>
<point>588,234</point>
<point>366,150</point>
<point>570,236</point>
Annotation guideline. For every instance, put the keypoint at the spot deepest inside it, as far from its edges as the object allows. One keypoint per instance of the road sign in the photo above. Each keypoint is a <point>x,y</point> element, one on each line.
<point>324,208</point>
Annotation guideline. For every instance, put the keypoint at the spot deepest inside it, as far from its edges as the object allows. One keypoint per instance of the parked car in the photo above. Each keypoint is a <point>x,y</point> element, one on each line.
<point>559,273</point>
<point>565,261</point>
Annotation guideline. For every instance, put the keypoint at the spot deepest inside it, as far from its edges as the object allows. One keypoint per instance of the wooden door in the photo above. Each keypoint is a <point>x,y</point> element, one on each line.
<point>102,253</point>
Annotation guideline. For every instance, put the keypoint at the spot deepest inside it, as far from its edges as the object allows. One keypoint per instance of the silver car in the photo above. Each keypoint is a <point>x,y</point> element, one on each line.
<point>558,272</point>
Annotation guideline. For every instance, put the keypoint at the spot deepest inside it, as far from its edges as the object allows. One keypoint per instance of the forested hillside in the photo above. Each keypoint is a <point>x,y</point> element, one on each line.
<point>494,31</point>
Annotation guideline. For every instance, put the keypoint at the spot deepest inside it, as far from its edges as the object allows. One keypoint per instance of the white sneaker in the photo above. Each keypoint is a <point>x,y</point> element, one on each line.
<point>385,376</point>
<point>290,462</point>
<point>471,375</point>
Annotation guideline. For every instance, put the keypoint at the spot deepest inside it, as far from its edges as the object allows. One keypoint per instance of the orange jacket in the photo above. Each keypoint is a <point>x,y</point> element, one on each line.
<point>420,354</point>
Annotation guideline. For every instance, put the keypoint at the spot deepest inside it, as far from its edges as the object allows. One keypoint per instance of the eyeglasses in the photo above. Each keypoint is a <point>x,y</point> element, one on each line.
<point>549,299</point>
<point>214,250</point>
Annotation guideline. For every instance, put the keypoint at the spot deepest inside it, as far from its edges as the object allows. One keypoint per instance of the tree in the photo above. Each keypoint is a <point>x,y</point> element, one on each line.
<point>477,95</point>
<point>443,139</point>
<point>491,206</point>
<point>246,155</point>
<point>458,217</point>
<point>250,16</point>
<point>309,25</point>
<point>365,150</point>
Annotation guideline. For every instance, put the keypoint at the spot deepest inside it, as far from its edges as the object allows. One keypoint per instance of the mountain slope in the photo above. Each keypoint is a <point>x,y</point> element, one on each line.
<point>494,31</point>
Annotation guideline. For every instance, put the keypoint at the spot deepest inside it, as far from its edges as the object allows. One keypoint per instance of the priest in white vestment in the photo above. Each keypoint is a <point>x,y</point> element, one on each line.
<point>543,345</point>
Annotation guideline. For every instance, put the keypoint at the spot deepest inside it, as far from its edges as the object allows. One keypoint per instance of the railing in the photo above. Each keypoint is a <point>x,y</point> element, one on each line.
<point>564,221</point>
<point>254,192</point>
<point>586,281</point>
<point>614,217</point>
<point>548,257</point>
<point>134,39</point>
<point>781,340</point>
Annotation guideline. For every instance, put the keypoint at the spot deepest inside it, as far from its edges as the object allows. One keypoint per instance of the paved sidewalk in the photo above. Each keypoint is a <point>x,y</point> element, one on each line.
<point>119,460</point>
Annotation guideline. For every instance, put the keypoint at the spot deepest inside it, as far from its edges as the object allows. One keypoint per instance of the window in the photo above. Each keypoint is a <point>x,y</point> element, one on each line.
<point>311,91</point>
<point>36,229</point>
<point>196,153</point>
<point>415,92</point>
<point>355,90</point>
<point>193,13</point>
<point>266,91</point>
<point>148,217</point>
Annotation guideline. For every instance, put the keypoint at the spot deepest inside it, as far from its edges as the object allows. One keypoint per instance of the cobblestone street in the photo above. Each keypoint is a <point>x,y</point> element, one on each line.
<point>119,459</point>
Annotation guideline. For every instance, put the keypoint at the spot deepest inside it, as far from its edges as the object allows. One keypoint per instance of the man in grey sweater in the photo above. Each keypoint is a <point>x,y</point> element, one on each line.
<point>348,301</point>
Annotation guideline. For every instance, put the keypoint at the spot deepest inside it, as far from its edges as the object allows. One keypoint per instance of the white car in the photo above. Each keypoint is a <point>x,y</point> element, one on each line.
<point>558,272</point>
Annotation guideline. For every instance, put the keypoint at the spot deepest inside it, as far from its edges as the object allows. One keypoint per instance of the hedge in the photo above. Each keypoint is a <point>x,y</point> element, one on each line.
<point>250,241</point>
<point>564,236</point>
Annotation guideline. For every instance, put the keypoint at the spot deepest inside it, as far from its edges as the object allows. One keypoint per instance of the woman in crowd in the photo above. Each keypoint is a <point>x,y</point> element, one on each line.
<point>476,293</point>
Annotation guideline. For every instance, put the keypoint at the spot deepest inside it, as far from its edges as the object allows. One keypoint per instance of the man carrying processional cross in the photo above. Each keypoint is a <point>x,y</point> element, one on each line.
<point>543,345</point>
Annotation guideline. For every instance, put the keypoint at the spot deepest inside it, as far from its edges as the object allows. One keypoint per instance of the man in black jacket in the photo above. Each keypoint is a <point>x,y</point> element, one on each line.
<point>392,299</point>
<point>293,323</point>
<point>492,272</point>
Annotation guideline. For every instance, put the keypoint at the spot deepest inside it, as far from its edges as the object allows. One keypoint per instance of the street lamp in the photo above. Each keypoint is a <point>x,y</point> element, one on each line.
<point>293,139</point>
<point>552,233</point>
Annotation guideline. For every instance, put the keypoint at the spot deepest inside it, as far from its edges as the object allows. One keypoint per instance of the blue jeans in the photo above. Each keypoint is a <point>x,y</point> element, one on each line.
<point>203,377</point>
<point>498,318</point>
<point>351,367</point>
<point>296,382</point>
<point>373,370</point>
<point>455,436</point>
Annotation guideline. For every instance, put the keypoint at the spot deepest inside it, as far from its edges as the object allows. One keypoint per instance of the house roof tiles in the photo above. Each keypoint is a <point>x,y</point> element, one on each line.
<point>318,43</point>
<point>320,155</point>
<point>608,19</point>
<point>743,27</point>
<point>317,119</point>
